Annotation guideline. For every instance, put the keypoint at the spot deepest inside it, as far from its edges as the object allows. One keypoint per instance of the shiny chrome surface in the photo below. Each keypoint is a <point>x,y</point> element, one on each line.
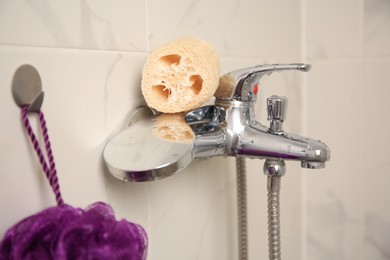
<point>237,133</point>
<point>241,83</point>
<point>27,88</point>
<point>227,128</point>
<point>240,134</point>
<point>276,110</point>
<point>210,130</point>
<point>137,154</point>
<point>274,167</point>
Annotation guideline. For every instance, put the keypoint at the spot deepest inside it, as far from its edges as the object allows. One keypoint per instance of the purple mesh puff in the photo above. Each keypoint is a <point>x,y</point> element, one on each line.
<point>64,232</point>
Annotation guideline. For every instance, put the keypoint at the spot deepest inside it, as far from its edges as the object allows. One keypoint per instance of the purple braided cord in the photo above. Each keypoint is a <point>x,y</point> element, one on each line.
<point>53,180</point>
<point>51,173</point>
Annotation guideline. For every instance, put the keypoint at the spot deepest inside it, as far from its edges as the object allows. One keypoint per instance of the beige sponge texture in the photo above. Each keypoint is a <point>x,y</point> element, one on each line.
<point>226,87</point>
<point>180,75</point>
<point>173,128</point>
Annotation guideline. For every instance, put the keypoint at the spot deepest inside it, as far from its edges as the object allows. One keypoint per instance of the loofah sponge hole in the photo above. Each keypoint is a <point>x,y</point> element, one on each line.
<point>197,84</point>
<point>171,60</point>
<point>162,91</point>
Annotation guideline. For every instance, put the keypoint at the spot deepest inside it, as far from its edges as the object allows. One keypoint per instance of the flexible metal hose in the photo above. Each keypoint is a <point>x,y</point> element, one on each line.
<point>242,209</point>
<point>274,247</point>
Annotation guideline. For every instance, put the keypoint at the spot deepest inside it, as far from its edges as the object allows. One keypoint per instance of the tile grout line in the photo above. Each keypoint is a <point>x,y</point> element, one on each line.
<point>304,125</point>
<point>149,186</point>
<point>362,60</point>
<point>147,27</point>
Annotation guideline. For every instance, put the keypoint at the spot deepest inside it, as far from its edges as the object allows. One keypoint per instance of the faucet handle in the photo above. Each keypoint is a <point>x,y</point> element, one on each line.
<point>242,85</point>
<point>276,109</point>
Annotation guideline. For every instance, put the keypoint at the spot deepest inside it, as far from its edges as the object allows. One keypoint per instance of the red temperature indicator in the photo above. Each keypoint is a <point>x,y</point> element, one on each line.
<point>256,89</point>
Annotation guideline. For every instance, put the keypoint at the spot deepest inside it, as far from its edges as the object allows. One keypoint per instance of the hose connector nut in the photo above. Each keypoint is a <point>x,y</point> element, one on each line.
<point>274,168</point>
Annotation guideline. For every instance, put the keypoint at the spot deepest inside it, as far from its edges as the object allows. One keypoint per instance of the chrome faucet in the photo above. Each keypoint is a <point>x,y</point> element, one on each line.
<point>227,128</point>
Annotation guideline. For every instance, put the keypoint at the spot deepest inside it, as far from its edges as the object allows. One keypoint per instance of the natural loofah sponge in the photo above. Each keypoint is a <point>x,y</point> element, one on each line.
<point>173,128</point>
<point>180,75</point>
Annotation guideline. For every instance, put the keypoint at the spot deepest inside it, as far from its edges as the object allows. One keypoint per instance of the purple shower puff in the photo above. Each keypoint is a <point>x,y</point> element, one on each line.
<point>64,232</point>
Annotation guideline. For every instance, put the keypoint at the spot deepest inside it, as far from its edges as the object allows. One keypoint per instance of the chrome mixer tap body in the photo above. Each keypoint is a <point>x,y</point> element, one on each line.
<point>230,128</point>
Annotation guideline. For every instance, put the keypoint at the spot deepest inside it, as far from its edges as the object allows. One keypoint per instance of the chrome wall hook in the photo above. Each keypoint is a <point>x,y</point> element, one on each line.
<point>27,88</point>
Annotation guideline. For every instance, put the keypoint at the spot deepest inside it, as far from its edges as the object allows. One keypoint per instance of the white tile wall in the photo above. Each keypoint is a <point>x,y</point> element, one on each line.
<point>335,194</point>
<point>347,205</point>
<point>90,55</point>
<point>377,211</point>
<point>236,28</point>
<point>83,107</point>
<point>101,25</point>
<point>376,23</point>
<point>333,28</point>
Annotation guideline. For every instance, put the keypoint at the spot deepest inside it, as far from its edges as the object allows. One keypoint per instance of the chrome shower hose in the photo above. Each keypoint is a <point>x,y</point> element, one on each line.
<point>274,247</point>
<point>242,209</point>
